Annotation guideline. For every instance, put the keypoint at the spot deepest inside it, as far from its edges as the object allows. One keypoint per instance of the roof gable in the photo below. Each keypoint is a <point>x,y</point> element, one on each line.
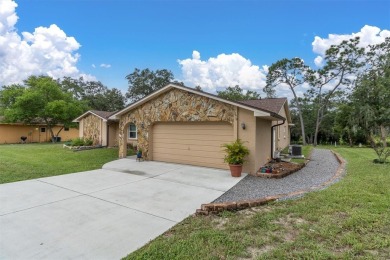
<point>101,114</point>
<point>257,111</point>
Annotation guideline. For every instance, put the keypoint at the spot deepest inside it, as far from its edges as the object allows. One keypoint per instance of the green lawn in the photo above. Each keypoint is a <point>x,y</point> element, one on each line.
<point>348,220</point>
<point>29,161</point>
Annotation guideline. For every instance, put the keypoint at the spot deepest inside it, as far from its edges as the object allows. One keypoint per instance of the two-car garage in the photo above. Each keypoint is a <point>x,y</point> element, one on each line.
<point>197,143</point>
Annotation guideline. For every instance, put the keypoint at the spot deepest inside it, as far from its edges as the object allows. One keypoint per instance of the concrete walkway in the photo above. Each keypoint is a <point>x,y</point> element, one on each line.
<point>102,214</point>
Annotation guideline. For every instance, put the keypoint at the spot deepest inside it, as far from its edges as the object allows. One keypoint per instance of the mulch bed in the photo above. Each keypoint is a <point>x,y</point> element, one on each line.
<point>280,169</point>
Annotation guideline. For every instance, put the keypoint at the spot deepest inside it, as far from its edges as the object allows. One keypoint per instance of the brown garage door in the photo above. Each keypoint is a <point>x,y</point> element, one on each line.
<point>191,143</point>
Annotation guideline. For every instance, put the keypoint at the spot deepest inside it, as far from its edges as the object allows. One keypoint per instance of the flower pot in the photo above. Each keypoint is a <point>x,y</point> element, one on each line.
<point>235,170</point>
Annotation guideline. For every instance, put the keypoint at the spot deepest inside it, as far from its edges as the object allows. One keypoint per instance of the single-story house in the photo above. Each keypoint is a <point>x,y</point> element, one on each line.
<point>183,125</point>
<point>11,133</point>
<point>97,126</point>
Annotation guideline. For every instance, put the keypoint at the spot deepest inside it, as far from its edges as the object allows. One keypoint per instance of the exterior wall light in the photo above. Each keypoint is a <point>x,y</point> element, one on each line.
<point>243,126</point>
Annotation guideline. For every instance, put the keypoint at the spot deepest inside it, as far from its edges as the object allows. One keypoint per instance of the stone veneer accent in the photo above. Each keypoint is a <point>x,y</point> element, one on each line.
<point>91,128</point>
<point>173,106</point>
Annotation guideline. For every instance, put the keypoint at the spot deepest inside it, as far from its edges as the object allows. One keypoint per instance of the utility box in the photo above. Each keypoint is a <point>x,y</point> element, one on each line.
<point>296,150</point>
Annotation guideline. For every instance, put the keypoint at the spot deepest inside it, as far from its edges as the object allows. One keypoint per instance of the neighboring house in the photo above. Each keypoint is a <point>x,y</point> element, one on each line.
<point>35,133</point>
<point>183,125</point>
<point>95,125</point>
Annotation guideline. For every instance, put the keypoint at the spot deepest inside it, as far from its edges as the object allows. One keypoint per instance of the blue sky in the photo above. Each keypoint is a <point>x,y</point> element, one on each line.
<point>156,34</point>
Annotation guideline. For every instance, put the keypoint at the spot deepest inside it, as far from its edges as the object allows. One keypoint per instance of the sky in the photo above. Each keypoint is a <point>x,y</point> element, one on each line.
<point>214,43</point>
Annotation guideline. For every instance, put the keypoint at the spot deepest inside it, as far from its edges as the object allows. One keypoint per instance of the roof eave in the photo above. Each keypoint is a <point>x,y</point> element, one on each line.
<point>205,94</point>
<point>77,120</point>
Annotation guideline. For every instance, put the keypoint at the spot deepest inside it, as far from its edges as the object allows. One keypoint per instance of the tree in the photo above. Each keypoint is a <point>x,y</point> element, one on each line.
<point>8,96</point>
<point>96,95</point>
<point>100,97</point>
<point>40,99</point>
<point>236,94</point>
<point>371,98</point>
<point>143,82</point>
<point>341,65</point>
<point>292,73</point>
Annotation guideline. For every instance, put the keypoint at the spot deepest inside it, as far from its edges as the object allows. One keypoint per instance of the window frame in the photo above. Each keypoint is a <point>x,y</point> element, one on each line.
<point>129,131</point>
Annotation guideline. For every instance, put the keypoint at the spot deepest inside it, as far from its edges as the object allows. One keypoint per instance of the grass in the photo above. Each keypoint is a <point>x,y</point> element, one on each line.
<point>29,161</point>
<point>348,220</point>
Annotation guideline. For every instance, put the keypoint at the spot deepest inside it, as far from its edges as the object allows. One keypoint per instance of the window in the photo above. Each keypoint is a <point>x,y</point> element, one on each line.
<point>132,131</point>
<point>43,129</point>
<point>66,128</point>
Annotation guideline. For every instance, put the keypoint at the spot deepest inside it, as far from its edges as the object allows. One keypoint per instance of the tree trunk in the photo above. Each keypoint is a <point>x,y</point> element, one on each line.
<point>383,135</point>
<point>60,131</point>
<point>300,116</point>
<point>318,122</point>
<point>51,132</point>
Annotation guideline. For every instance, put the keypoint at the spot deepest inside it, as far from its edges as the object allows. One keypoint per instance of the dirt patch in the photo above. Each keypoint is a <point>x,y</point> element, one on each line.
<point>220,223</point>
<point>278,169</point>
<point>289,233</point>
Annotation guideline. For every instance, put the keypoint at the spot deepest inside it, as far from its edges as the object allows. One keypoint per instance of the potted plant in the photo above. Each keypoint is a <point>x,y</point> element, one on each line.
<point>139,153</point>
<point>235,156</point>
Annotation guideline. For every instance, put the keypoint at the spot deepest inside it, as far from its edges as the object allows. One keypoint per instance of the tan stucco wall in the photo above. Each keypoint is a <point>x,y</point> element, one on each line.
<point>248,136</point>
<point>172,106</point>
<point>282,132</point>
<point>11,133</point>
<point>92,128</point>
<point>263,142</point>
<point>81,129</point>
<point>257,137</point>
<point>113,132</point>
<point>103,129</point>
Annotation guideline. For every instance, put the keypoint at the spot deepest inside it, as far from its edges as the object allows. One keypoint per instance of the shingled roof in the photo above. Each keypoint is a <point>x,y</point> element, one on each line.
<point>103,114</point>
<point>271,104</point>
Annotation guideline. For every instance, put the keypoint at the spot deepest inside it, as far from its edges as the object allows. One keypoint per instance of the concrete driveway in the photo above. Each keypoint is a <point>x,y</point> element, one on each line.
<point>102,214</point>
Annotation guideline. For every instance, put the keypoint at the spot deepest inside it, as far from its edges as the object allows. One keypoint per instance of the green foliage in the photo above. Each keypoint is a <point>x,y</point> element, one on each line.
<point>88,142</point>
<point>96,95</point>
<point>143,82</point>
<point>81,142</point>
<point>235,152</point>
<point>42,100</point>
<point>236,94</point>
<point>77,141</point>
<point>370,98</point>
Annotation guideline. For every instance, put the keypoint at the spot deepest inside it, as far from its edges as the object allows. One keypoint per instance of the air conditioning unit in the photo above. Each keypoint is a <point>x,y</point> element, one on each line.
<point>296,150</point>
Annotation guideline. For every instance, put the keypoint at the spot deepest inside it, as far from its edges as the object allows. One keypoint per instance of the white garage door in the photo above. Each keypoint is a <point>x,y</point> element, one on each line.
<point>191,143</point>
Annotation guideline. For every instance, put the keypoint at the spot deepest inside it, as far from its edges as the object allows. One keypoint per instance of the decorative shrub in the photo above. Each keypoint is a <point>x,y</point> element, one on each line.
<point>77,142</point>
<point>81,142</point>
<point>88,142</point>
<point>235,152</point>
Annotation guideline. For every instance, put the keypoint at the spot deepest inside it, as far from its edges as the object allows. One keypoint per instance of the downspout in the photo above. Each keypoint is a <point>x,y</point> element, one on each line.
<point>108,129</point>
<point>272,138</point>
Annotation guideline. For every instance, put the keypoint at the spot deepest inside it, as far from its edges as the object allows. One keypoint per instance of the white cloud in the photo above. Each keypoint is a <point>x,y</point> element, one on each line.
<point>318,61</point>
<point>196,55</point>
<point>222,71</point>
<point>369,35</point>
<point>106,66</point>
<point>93,66</point>
<point>47,50</point>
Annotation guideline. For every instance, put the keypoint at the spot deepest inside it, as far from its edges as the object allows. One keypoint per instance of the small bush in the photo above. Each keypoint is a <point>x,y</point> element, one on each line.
<point>81,142</point>
<point>77,142</point>
<point>88,142</point>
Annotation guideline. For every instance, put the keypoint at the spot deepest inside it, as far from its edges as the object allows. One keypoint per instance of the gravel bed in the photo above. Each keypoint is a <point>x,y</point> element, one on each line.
<point>321,167</point>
